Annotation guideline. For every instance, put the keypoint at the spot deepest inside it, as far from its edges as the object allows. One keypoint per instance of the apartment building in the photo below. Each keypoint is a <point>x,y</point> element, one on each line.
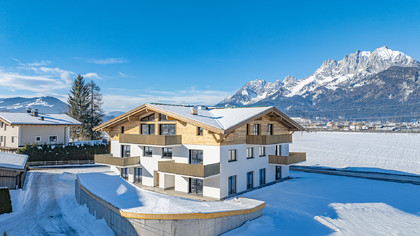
<point>31,127</point>
<point>213,152</point>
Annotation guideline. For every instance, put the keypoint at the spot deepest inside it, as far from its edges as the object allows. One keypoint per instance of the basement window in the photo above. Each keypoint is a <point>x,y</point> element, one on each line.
<point>53,139</point>
<point>38,139</point>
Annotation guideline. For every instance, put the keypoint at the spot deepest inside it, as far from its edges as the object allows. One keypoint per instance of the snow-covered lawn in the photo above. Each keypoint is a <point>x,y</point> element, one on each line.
<point>47,206</point>
<point>368,151</point>
<point>318,204</point>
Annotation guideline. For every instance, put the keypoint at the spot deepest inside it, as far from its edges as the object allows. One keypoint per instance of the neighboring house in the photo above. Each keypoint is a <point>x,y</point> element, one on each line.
<point>213,152</point>
<point>12,170</point>
<point>19,129</point>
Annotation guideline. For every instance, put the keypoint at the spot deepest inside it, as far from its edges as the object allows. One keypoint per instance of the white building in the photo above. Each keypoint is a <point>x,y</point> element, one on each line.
<point>213,152</point>
<point>19,129</point>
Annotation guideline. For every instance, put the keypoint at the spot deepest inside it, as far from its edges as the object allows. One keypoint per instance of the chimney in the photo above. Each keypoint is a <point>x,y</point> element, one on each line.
<point>194,110</point>
<point>28,110</point>
<point>42,118</point>
<point>35,113</point>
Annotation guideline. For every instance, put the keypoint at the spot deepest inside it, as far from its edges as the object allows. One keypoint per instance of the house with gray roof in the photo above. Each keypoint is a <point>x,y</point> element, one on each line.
<point>18,129</point>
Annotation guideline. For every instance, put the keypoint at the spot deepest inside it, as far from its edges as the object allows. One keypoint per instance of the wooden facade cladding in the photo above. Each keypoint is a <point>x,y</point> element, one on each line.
<point>158,140</point>
<point>194,170</point>
<point>268,139</point>
<point>293,158</point>
<point>108,159</point>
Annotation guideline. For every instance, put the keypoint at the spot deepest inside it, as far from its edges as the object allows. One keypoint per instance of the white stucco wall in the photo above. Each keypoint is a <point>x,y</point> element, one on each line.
<point>8,132</point>
<point>28,134</point>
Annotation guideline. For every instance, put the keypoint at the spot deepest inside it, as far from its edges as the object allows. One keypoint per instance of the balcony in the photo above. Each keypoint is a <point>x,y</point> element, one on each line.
<point>194,170</point>
<point>268,139</point>
<point>293,158</point>
<point>108,159</point>
<point>158,140</point>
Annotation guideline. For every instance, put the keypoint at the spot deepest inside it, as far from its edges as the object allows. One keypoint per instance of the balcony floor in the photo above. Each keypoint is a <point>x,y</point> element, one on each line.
<point>174,193</point>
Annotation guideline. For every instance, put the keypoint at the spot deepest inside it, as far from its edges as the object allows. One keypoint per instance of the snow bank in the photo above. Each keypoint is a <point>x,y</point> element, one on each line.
<point>127,197</point>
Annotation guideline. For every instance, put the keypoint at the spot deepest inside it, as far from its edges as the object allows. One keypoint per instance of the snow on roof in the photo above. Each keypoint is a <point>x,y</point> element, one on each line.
<point>222,118</point>
<point>127,197</point>
<point>23,118</point>
<point>11,160</point>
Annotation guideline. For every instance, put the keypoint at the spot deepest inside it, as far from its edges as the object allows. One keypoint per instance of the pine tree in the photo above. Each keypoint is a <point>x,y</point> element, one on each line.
<point>95,112</point>
<point>78,108</point>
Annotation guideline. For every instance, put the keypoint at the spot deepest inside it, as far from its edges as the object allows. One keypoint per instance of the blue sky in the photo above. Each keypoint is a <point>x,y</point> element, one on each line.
<point>187,51</point>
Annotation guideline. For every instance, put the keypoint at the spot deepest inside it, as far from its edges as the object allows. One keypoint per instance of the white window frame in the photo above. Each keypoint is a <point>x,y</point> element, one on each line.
<point>232,155</point>
<point>40,139</point>
<point>250,153</point>
<point>261,151</point>
<point>56,139</point>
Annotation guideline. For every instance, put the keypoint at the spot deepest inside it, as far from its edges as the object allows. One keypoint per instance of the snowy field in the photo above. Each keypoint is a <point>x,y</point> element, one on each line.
<point>318,204</point>
<point>47,206</point>
<point>364,151</point>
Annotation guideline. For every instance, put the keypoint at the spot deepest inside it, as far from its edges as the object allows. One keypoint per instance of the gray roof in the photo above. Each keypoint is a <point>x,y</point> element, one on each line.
<point>21,118</point>
<point>222,118</point>
<point>14,161</point>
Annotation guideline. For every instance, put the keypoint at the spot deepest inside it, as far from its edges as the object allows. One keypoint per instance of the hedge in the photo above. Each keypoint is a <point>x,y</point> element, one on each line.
<point>5,202</point>
<point>62,153</point>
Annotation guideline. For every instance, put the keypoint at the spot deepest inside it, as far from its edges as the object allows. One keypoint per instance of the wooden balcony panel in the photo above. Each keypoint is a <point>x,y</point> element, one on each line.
<point>194,170</point>
<point>293,158</point>
<point>269,139</point>
<point>158,140</point>
<point>108,159</point>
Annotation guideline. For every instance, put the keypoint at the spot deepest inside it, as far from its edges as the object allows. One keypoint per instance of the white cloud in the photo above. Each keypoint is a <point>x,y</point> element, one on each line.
<point>191,97</point>
<point>104,61</point>
<point>92,75</point>
<point>122,74</point>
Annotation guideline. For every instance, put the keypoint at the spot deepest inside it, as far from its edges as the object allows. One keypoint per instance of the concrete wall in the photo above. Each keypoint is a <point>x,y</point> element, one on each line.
<point>131,226</point>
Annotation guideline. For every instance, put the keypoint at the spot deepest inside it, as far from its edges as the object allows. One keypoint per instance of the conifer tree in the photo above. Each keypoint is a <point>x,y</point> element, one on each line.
<point>78,107</point>
<point>95,112</point>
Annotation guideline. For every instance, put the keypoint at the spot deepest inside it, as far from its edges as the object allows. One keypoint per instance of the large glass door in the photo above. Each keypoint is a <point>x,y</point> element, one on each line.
<point>137,175</point>
<point>278,172</point>
<point>196,186</point>
<point>196,156</point>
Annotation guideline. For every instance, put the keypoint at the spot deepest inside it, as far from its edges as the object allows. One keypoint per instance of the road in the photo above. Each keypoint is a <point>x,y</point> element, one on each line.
<point>47,206</point>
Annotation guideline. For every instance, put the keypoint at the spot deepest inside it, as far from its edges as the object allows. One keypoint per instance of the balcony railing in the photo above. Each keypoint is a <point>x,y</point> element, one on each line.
<point>108,159</point>
<point>159,140</point>
<point>268,139</point>
<point>293,158</point>
<point>194,170</point>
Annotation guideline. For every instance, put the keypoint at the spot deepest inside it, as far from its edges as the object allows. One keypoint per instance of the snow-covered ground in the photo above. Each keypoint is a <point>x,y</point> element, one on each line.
<point>318,204</point>
<point>385,152</point>
<point>47,206</point>
<point>130,198</point>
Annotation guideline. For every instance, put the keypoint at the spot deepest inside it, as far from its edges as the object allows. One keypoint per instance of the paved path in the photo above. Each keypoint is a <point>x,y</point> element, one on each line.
<point>392,177</point>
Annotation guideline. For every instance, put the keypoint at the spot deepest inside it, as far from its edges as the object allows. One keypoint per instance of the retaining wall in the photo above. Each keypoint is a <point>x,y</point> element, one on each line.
<point>200,224</point>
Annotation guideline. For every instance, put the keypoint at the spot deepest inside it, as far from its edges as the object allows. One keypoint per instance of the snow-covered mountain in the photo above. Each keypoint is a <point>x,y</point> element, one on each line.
<point>377,79</point>
<point>43,104</point>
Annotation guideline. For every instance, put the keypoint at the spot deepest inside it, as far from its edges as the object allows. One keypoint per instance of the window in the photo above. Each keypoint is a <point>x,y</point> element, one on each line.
<point>38,139</point>
<point>261,151</point>
<point>148,118</point>
<point>147,129</point>
<point>196,186</point>
<point>1,124</point>
<point>247,129</point>
<point>262,176</point>
<point>1,138</point>
<point>256,129</point>
<point>278,150</point>
<point>278,172</point>
<point>147,151</point>
<point>196,156</point>
<point>270,129</point>
<point>232,184</point>
<point>53,139</point>
<point>250,180</point>
<point>124,173</point>
<point>122,129</point>
<point>163,117</point>
<point>13,139</point>
<point>166,129</point>
<point>250,152</point>
<point>125,150</point>
<point>137,175</point>
<point>167,153</point>
<point>199,131</point>
<point>232,155</point>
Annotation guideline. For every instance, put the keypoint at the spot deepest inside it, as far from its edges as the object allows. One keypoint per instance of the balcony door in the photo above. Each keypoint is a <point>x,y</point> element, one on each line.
<point>196,186</point>
<point>278,150</point>
<point>250,180</point>
<point>278,172</point>
<point>125,150</point>
<point>196,156</point>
